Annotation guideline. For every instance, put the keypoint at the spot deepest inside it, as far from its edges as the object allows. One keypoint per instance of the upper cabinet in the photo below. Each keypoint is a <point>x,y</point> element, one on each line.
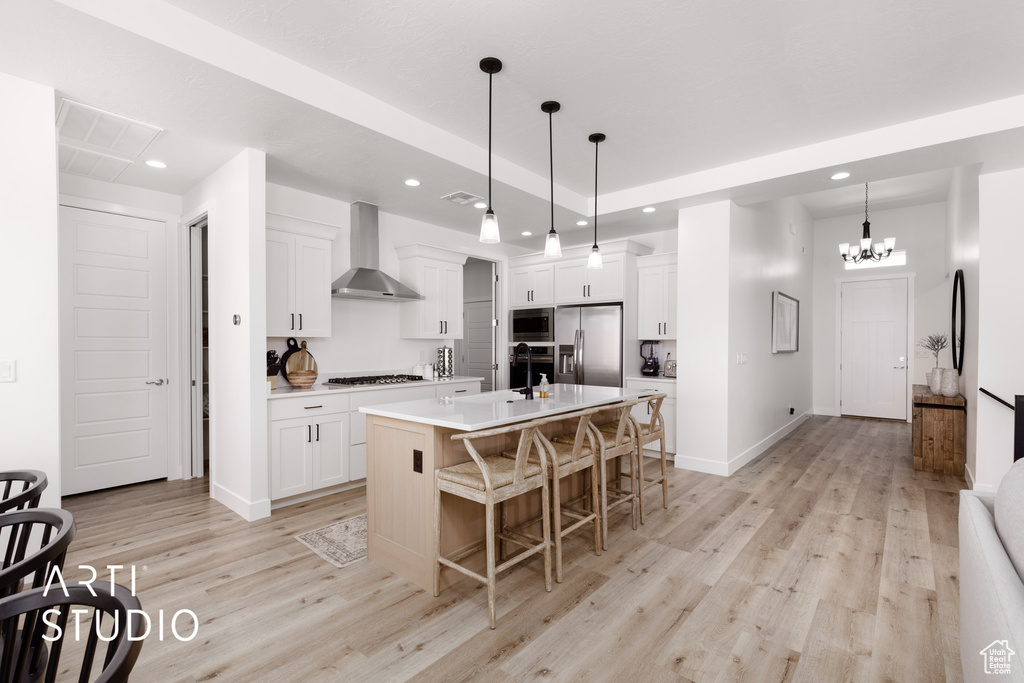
<point>437,275</point>
<point>532,285</point>
<point>577,284</point>
<point>656,297</point>
<point>298,279</point>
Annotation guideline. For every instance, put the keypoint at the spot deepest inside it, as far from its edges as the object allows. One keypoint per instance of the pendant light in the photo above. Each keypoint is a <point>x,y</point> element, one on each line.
<point>595,254</point>
<point>489,226</point>
<point>552,246</point>
<point>866,250</point>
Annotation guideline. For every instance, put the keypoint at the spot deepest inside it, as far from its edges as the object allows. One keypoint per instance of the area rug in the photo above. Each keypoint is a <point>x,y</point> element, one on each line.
<point>341,543</point>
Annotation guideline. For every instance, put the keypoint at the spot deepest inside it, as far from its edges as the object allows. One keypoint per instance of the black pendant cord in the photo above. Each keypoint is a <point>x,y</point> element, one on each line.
<point>490,109</point>
<point>596,145</point>
<point>867,225</point>
<point>551,165</point>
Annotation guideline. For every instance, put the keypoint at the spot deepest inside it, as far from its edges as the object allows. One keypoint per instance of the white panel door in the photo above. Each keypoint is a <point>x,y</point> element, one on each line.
<point>651,292</point>
<point>113,322</point>
<point>873,371</point>
<point>291,457</point>
<point>476,350</point>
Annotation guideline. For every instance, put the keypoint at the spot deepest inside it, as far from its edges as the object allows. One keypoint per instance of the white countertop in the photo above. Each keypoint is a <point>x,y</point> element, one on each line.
<point>496,408</point>
<point>659,378</point>
<point>285,389</point>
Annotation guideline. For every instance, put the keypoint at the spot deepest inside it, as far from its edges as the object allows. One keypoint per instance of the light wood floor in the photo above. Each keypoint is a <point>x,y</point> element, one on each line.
<point>826,559</point>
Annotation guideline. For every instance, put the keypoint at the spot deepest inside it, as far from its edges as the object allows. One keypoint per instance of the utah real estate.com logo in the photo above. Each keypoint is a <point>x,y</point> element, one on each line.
<point>997,657</point>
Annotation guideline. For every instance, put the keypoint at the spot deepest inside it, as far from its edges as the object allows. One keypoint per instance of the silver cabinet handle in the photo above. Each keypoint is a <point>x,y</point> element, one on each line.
<point>158,383</point>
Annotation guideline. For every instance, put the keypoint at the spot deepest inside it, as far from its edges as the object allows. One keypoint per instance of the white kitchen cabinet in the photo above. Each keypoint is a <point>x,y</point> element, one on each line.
<point>298,285</point>
<point>532,285</point>
<point>577,284</point>
<point>456,389</point>
<point>437,275</point>
<point>641,411</point>
<point>656,297</point>
<point>309,440</point>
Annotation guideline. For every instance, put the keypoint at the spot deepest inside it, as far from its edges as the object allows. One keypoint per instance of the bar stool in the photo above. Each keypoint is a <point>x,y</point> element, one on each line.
<point>491,480</point>
<point>21,489</point>
<point>566,459</point>
<point>648,432</point>
<point>615,440</point>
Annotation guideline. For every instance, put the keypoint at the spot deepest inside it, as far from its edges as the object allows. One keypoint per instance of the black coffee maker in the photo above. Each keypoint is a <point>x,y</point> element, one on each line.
<point>651,366</point>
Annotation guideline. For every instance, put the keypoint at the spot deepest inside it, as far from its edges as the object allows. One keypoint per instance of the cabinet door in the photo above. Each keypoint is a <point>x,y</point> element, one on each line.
<point>330,450</point>
<point>313,286</point>
<point>571,281</point>
<point>357,462</point>
<point>521,284</point>
<point>452,303</point>
<point>605,283</point>
<point>291,457</point>
<point>281,321</point>
<point>671,299</point>
<point>651,303</point>
<point>543,285</point>
<point>668,409</point>
<point>422,319</point>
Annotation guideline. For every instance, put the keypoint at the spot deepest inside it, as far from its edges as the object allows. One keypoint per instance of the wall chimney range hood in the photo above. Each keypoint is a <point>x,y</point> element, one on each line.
<point>365,280</point>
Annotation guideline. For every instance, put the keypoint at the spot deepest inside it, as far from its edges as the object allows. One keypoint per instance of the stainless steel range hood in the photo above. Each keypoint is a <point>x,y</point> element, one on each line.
<point>366,280</point>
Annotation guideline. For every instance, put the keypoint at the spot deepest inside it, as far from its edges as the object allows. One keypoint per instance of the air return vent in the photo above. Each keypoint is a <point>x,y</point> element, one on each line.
<point>99,144</point>
<point>462,198</point>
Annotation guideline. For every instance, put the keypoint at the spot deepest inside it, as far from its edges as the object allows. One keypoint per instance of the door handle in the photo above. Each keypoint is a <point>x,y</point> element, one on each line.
<point>581,366</point>
<point>293,321</point>
<point>158,383</point>
<point>576,357</point>
<point>317,431</point>
<point>309,433</point>
<point>300,321</point>
<point>899,367</point>
<point>588,290</point>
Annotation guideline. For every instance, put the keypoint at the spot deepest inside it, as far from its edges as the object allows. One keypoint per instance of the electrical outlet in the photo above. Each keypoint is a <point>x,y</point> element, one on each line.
<point>8,371</point>
<point>792,410</point>
<point>417,461</point>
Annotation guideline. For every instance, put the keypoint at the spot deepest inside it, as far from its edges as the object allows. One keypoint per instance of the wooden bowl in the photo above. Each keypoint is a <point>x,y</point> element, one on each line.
<point>302,379</point>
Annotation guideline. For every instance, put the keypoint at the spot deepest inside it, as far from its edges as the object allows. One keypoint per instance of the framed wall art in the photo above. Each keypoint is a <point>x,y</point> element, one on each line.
<point>785,323</point>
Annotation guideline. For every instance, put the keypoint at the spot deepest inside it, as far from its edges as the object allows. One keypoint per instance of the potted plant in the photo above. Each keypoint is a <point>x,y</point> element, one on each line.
<point>934,343</point>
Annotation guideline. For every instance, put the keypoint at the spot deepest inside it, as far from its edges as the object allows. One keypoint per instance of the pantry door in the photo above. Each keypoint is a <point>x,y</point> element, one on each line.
<point>113,326</point>
<point>874,355</point>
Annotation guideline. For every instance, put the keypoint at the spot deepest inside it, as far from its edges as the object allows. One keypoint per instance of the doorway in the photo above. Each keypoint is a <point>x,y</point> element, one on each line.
<point>199,334</point>
<point>874,355</point>
<point>475,353</point>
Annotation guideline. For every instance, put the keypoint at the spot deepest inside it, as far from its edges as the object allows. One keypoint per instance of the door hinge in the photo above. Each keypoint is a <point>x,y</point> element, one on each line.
<point>494,322</point>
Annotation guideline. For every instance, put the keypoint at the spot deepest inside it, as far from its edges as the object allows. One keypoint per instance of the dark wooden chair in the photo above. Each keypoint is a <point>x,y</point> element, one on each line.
<point>33,542</point>
<point>27,617</point>
<point>20,489</point>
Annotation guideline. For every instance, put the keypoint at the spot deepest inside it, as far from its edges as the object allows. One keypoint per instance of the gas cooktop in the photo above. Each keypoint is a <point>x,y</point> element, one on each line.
<point>372,379</point>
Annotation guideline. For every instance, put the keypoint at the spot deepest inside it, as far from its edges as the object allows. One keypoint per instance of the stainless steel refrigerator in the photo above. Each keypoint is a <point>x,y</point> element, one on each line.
<point>588,340</point>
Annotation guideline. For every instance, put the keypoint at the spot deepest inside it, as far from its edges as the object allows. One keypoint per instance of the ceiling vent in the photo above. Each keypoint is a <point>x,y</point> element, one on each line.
<point>98,144</point>
<point>462,198</point>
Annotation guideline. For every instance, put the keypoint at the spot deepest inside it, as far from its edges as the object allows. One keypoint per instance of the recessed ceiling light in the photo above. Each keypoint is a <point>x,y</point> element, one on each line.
<point>412,182</point>
<point>842,175</point>
<point>581,222</point>
<point>526,233</point>
<point>156,164</point>
<point>649,209</point>
<point>481,205</point>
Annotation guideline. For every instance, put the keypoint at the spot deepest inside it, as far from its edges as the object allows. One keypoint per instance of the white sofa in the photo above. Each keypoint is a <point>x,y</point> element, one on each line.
<point>991,589</point>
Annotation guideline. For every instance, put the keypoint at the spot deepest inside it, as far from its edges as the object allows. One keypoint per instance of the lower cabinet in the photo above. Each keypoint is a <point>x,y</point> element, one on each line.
<point>309,439</point>
<point>668,407</point>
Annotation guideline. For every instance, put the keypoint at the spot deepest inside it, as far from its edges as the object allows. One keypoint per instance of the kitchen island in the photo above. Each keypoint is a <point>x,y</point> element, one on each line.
<point>407,441</point>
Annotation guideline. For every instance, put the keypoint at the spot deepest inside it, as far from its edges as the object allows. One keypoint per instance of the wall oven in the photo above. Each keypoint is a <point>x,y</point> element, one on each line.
<point>532,325</point>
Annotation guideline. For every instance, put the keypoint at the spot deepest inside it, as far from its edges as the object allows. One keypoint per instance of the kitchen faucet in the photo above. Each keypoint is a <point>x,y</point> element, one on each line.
<point>528,389</point>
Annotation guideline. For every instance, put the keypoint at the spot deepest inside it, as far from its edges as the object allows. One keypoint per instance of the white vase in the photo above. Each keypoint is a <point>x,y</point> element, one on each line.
<point>935,381</point>
<point>950,383</point>
<point>927,379</point>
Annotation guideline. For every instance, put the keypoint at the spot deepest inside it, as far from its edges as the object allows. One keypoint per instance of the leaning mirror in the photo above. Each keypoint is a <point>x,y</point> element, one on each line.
<point>958,325</point>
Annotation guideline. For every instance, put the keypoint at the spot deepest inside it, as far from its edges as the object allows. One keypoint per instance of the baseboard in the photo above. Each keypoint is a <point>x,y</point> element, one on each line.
<point>686,462</point>
<point>827,412</point>
<point>248,511</point>
<point>969,476</point>
<point>319,493</point>
<point>757,449</point>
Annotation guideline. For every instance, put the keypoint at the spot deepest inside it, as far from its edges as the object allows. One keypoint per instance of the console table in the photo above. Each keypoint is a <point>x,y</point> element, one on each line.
<point>939,422</point>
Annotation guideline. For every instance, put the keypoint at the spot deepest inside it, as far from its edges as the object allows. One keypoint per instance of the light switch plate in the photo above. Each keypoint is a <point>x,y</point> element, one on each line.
<point>8,371</point>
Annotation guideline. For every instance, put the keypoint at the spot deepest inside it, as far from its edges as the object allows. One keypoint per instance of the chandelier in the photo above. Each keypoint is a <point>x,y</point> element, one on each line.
<point>866,251</point>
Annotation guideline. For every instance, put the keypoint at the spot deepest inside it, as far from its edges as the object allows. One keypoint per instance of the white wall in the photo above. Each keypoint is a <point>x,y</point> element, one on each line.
<point>234,196</point>
<point>921,231</point>
<point>702,416</point>
<point>771,248</point>
<point>29,408</point>
<point>1000,322</point>
<point>962,249</point>
<point>365,335</point>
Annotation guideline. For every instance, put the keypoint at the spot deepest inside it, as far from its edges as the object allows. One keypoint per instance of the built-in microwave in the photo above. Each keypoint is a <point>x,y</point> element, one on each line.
<point>533,325</point>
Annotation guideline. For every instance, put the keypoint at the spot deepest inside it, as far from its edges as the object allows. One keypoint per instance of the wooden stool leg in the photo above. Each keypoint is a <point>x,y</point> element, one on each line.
<point>643,480</point>
<point>437,540</point>
<point>556,514</point>
<point>546,531</point>
<point>603,466</point>
<point>595,507</point>
<point>664,474</point>
<point>491,575</point>
<point>634,486</point>
<point>502,523</point>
